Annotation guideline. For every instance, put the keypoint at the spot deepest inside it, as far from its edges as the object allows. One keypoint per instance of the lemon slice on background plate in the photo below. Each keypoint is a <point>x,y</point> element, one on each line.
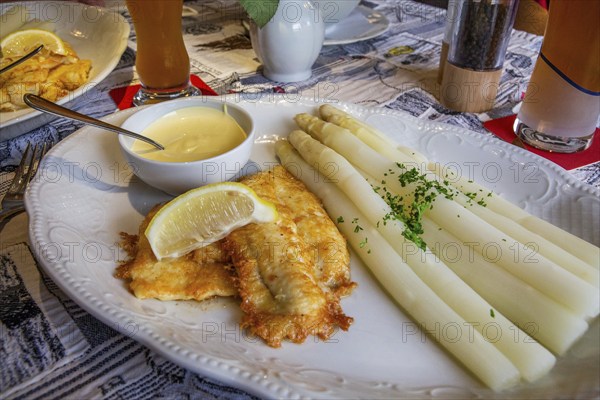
<point>203,216</point>
<point>22,42</point>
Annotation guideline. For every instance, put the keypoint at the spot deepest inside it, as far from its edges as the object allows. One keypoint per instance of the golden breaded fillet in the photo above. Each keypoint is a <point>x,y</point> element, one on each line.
<point>198,275</point>
<point>328,249</point>
<point>282,298</point>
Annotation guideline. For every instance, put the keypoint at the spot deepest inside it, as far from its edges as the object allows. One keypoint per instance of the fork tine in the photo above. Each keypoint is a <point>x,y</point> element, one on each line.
<point>21,168</point>
<point>34,165</point>
<point>30,168</point>
<point>27,169</point>
<point>20,171</point>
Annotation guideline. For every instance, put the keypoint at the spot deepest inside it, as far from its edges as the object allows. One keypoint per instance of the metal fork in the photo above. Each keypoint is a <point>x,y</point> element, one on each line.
<point>13,203</point>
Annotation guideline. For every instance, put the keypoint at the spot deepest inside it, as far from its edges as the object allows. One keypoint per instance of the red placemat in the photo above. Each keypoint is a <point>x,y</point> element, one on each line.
<point>123,96</point>
<point>503,128</point>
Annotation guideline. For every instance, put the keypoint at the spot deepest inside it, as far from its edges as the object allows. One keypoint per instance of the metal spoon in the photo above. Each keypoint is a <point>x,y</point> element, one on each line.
<point>22,59</point>
<point>46,106</point>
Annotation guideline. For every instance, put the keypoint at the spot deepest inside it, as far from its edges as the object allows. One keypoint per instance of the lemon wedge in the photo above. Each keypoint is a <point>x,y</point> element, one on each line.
<point>203,216</point>
<point>22,42</point>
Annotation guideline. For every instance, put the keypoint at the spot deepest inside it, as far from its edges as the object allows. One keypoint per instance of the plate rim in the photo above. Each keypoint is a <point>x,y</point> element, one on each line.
<point>217,368</point>
<point>364,11</point>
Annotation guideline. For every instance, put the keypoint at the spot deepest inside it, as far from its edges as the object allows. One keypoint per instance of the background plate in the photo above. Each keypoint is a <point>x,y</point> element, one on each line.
<point>362,24</point>
<point>96,34</point>
<point>85,195</point>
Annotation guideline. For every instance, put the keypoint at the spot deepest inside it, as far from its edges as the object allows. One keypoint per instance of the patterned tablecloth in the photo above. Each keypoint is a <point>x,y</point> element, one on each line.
<point>52,349</point>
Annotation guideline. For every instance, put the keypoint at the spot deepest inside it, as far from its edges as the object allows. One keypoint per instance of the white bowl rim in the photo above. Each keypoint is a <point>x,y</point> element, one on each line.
<point>123,139</point>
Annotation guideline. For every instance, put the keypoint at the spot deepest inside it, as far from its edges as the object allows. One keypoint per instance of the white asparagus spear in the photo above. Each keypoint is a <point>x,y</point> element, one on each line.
<point>570,290</point>
<point>546,248</point>
<point>571,244</point>
<point>532,360</point>
<point>422,304</point>
<point>377,140</point>
<point>343,174</point>
<point>576,246</point>
<point>520,302</point>
<point>518,259</point>
<point>368,159</point>
<point>549,322</point>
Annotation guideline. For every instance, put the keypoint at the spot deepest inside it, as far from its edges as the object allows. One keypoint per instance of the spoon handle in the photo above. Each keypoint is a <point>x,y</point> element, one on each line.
<point>23,59</point>
<point>41,104</point>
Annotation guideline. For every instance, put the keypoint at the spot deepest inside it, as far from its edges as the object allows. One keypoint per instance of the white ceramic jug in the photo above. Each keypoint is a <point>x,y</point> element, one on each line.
<point>290,43</point>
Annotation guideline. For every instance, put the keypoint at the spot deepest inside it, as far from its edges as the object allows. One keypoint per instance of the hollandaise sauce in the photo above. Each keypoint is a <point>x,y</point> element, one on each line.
<point>191,134</point>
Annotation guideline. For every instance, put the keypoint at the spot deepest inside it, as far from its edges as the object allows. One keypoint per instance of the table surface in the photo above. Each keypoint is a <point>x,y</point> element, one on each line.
<point>51,348</point>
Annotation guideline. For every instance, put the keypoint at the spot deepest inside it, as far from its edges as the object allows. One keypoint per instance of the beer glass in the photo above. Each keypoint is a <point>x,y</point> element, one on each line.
<point>162,62</point>
<point>561,106</point>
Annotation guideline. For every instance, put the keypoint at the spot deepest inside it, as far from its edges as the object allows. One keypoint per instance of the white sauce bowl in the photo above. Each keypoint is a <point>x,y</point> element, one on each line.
<point>178,177</point>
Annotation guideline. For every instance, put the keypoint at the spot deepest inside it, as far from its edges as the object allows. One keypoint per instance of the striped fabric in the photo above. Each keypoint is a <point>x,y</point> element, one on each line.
<point>52,349</point>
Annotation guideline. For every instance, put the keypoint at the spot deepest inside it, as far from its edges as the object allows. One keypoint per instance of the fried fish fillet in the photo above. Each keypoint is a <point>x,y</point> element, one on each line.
<point>327,247</point>
<point>201,274</point>
<point>277,277</point>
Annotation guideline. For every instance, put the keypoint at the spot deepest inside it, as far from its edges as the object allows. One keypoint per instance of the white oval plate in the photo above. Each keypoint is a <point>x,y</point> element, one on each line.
<point>95,33</point>
<point>84,195</point>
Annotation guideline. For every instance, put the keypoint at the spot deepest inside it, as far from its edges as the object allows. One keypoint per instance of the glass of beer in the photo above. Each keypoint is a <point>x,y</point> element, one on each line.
<point>162,62</point>
<point>562,104</point>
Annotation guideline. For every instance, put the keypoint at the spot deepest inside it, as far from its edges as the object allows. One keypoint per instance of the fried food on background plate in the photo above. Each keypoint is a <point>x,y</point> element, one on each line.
<point>48,75</point>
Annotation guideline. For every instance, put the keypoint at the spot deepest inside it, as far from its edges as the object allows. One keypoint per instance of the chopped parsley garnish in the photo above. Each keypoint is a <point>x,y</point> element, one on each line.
<point>357,228</point>
<point>424,192</point>
<point>340,219</point>
<point>492,313</point>
<point>472,197</point>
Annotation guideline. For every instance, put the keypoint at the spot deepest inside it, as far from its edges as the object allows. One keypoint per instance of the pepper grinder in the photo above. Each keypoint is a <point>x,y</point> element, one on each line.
<point>478,41</point>
<point>446,39</point>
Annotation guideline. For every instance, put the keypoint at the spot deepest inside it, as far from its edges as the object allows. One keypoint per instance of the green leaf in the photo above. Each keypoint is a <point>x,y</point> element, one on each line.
<point>260,11</point>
